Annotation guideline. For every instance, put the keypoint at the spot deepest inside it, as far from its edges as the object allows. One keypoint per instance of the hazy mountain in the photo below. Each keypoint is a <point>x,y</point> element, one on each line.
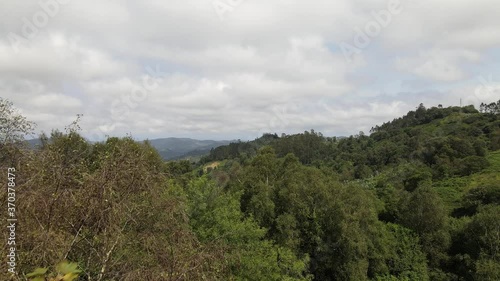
<point>172,148</point>
<point>178,148</point>
<point>33,143</point>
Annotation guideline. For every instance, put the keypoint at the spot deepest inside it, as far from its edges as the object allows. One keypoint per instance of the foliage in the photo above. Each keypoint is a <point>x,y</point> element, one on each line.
<point>64,271</point>
<point>13,126</point>
<point>417,199</point>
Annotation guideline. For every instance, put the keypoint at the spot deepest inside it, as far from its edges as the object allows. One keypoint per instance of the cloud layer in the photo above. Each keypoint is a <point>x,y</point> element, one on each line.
<point>234,69</point>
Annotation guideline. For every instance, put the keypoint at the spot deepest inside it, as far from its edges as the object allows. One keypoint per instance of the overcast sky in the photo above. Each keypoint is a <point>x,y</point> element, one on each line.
<point>230,69</point>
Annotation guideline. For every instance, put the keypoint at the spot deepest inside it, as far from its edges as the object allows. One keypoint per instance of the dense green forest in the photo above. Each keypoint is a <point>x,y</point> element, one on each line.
<point>416,199</point>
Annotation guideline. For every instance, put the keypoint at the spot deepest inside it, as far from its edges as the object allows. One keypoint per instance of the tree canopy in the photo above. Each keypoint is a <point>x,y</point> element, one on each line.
<point>417,199</point>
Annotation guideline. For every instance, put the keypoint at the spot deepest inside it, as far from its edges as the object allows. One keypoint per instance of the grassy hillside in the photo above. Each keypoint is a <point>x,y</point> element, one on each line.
<point>454,189</point>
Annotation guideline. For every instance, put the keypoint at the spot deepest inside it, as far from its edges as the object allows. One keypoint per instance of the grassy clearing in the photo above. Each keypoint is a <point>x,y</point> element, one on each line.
<point>452,190</point>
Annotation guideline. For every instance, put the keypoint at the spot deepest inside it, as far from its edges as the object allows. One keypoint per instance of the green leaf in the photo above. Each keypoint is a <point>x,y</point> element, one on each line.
<point>66,267</point>
<point>38,272</point>
<point>70,277</point>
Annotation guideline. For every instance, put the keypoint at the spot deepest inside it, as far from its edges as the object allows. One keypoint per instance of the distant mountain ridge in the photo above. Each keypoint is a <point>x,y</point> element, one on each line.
<point>172,148</point>
<point>179,148</point>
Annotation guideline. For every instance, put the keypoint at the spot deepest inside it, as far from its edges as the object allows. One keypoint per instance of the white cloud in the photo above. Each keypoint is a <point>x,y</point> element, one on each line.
<point>55,100</point>
<point>270,65</point>
<point>438,65</point>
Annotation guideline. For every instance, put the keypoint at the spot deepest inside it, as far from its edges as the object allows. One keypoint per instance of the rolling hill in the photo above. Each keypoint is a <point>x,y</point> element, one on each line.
<point>180,148</point>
